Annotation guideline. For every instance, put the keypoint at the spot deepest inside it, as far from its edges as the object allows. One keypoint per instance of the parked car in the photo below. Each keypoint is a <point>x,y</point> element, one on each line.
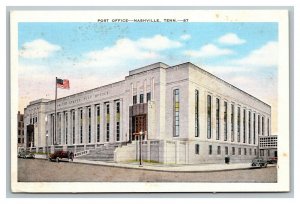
<point>59,155</point>
<point>272,160</point>
<point>26,154</point>
<point>259,162</point>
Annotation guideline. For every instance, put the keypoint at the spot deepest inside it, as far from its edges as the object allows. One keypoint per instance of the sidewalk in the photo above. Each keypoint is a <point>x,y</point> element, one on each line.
<point>171,168</point>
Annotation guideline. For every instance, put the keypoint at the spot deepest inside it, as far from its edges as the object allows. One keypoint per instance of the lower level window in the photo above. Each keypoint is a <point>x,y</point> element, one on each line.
<point>197,148</point>
<point>210,149</point>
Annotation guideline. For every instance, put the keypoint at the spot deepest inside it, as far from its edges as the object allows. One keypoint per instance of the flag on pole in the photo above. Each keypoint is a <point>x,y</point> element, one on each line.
<point>62,83</point>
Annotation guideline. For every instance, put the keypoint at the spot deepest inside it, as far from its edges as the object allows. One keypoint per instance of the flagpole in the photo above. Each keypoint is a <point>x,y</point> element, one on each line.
<point>54,139</point>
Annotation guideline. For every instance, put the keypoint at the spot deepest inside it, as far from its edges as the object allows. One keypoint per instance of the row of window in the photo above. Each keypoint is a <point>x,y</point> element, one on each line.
<point>226,152</point>
<point>134,98</point>
<point>20,140</point>
<point>57,139</point>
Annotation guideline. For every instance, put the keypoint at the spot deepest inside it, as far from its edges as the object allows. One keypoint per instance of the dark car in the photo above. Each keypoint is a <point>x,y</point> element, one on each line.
<point>59,155</point>
<point>26,154</point>
<point>272,160</point>
<point>259,162</point>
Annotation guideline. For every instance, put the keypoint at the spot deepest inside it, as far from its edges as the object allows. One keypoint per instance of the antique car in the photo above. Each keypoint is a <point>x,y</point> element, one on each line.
<point>259,162</point>
<point>59,155</point>
<point>26,154</point>
<point>272,160</point>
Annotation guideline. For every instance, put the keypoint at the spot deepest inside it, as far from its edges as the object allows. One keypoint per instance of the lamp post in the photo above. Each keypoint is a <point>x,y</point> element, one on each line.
<point>141,134</point>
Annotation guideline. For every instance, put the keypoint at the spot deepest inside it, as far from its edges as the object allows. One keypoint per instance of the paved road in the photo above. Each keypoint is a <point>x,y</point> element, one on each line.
<point>42,170</point>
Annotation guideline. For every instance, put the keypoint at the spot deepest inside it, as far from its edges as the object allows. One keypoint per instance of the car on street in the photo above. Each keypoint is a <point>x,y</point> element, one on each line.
<point>26,154</point>
<point>259,162</point>
<point>272,160</point>
<point>59,155</point>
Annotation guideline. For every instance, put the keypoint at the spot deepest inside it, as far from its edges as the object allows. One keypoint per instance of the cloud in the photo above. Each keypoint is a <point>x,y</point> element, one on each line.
<point>126,50</point>
<point>185,37</point>
<point>209,50</point>
<point>265,56</point>
<point>38,48</point>
<point>231,39</point>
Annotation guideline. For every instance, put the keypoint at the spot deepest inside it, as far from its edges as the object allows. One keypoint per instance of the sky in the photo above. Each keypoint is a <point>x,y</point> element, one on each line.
<point>94,54</point>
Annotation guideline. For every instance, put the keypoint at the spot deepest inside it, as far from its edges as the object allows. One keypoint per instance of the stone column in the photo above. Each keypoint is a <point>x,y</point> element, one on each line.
<point>84,126</point>
<point>221,119</point>
<point>77,124</point>
<point>247,126</point>
<point>112,122</point>
<point>213,117</point>
<point>62,128</point>
<point>242,124</point>
<point>235,122</point>
<point>102,122</point>
<point>69,127</point>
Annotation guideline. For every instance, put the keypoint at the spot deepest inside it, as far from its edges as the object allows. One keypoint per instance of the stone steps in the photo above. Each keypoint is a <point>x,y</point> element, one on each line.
<point>104,153</point>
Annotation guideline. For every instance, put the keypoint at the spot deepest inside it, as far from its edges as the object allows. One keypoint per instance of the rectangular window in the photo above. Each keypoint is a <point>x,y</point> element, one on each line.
<point>268,152</point>
<point>258,124</point>
<point>249,127</point>
<point>107,122</point>
<point>255,152</point>
<point>19,140</point>
<point>98,123</point>
<point>268,127</point>
<point>226,150</point>
<point>239,125</point>
<point>245,151</point>
<point>81,126</point>
<point>232,123</point>
<point>73,127</point>
<point>210,149</point>
<point>118,131</point>
<point>261,152</point>
<point>217,119</point>
<point>134,99</point>
<point>66,126</point>
<point>233,150</point>
<point>176,105</point>
<point>107,132</point>
<point>263,126</point>
<point>219,150</point>
<point>148,96</point>
<point>196,113</point>
<point>225,121</point>
<point>250,151</point>
<point>240,151</point>
<point>141,98</point>
<point>89,125</point>
<point>244,126</point>
<point>209,116</point>
<point>197,148</point>
<point>254,128</point>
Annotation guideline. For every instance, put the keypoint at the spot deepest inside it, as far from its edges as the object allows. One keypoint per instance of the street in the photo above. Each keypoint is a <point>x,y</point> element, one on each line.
<point>37,170</point>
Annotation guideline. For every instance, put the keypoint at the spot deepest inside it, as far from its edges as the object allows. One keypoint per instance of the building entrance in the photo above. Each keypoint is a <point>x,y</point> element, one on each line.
<point>30,136</point>
<point>139,125</point>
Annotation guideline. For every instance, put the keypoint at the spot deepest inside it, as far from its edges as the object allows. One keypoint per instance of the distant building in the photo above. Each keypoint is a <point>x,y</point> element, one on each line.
<point>187,116</point>
<point>268,146</point>
<point>20,119</point>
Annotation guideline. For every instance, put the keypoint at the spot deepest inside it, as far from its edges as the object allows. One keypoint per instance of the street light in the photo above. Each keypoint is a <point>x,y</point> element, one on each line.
<point>141,133</point>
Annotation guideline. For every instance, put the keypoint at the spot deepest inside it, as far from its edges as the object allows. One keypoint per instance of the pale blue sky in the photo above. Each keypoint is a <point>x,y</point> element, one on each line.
<point>95,54</point>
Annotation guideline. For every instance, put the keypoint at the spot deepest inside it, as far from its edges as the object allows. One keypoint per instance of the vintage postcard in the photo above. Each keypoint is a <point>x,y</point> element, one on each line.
<point>150,101</point>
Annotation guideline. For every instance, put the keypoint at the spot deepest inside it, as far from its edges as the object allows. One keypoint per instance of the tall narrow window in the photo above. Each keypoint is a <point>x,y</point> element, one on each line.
<point>176,112</point>
<point>98,123</point>
<point>118,121</point>
<point>249,127</point>
<point>196,113</point>
<point>134,99</point>
<point>217,119</point>
<point>197,148</point>
<point>210,149</point>
<point>244,126</point>
<point>209,116</point>
<point>73,127</point>
<point>66,127</point>
<point>81,126</point>
<point>226,150</point>
<point>239,125</point>
<point>59,129</point>
<point>254,128</point>
<point>53,129</point>
<point>258,123</point>
<point>148,96</point>
<point>89,125</point>
<point>232,123</point>
<point>263,126</point>
<point>225,121</point>
<point>107,122</point>
<point>219,150</point>
<point>268,127</point>
<point>141,98</point>
<point>233,150</point>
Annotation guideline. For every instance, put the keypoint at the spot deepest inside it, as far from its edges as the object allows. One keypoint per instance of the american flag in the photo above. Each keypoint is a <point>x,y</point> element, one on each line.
<point>62,83</point>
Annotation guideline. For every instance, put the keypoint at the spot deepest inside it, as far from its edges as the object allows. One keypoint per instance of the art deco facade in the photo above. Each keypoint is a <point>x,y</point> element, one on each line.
<point>189,115</point>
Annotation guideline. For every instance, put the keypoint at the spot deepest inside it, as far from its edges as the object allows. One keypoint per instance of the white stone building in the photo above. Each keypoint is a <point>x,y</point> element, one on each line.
<point>190,116</point>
